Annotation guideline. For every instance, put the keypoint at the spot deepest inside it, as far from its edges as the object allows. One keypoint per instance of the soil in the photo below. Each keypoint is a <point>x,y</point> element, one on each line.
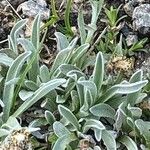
<point>7,22</point>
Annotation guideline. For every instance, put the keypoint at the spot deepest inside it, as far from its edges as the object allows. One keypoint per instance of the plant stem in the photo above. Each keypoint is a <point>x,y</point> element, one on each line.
<point>54,17</point>
<point>67,17</point>
<point>49,23</point>
<point>54,12</point>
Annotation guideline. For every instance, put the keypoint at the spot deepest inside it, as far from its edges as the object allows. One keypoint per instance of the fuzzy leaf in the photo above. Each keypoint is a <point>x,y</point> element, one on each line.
<point>24,95</point>
<point>135,111</point>
<point>128,142</point>
<point>84,110</point>
<point>98,134</point>
<point>144,128</point>
<point>12,82</point>
<point>62,41</point>
<point>31,85</point>
<point>35,37</point>
<point>96,9</point>
<point>14,35</point>
<point>92,123</point>
<point>44,74</point>
<point>27,45</point>
<point>38,122</point>
<point>75,74</point>
<point>33,62</point>
<point>75,100</point>
<point>120,116</point>
<point>98,73</point>
<point>60,99</point>
<point>38,94</point>
<point>4,132</point>
<point>97,148</point>
<point>59,129</point>
<point>63,141</point>
<point>103,110</point>
<point>62,57</point>
<point>65,68</point>
<point>79,52</point>
<point>90,86</point>
<point>5,60</point>
<point>96,125</point>
<point>49,117</point>
<point>12,123</point>
<point>131,98</point>
<point>49,104</point>
<point>81,26</point>
<point>8,52</point>
<point>12,73</point>
<point>122,89</point>
<point>69,87</point>
<point>109,140</point>
<point>80,91</point>
<point>130,122</point>
<point>66,113</point>
<point>118,48</point>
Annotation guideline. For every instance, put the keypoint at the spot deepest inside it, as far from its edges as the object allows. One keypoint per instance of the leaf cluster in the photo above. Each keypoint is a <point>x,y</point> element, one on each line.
<point>78,109</point>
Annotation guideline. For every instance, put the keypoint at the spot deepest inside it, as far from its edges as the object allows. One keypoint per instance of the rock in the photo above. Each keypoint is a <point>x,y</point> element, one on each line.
<point>142,61</point>
<point>130,5</point>
<point>127,29</point>
<point>131,39</point>
<point>129,8</point>
<point>146,66</point>
<point>31,8</point>
<point>3,4</point>
<point>16,3</point>
<point>141,19</point>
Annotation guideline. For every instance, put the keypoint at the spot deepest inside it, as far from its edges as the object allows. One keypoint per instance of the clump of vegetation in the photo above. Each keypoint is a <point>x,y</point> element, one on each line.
<point>76,110</point>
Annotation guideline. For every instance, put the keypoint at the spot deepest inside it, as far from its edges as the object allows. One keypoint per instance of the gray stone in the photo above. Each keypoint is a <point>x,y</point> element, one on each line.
<point>141,19</point>
<point>130,5</point>
<point>131,39</point>
<point>129,8</point>
<point>146,67</point>
<point>3,4</point>
<point>32,7</point>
